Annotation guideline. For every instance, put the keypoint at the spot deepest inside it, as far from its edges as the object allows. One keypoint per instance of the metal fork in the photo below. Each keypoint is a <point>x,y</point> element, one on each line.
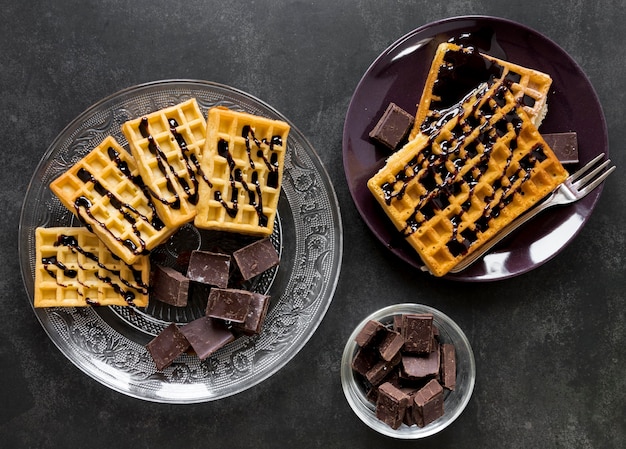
<point>574,188</point>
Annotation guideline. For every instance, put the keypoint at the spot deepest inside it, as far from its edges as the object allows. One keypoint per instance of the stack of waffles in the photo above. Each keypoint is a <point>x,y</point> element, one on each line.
<point>474,160</point>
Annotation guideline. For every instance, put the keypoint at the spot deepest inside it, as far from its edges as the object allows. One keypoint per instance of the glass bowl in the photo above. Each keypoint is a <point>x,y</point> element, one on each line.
<point>454,401</point>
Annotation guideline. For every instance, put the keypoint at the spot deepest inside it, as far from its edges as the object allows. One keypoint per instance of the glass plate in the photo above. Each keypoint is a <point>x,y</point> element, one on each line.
<point>107,343</point>
<point>398,76</point>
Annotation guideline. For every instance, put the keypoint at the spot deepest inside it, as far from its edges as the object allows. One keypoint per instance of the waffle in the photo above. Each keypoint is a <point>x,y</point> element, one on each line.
<point>74,268</point>
<point>105,192</point>
<point>456,71</point>
<point>244,161</point>
<point>466,176</point>
<point>167,145</point>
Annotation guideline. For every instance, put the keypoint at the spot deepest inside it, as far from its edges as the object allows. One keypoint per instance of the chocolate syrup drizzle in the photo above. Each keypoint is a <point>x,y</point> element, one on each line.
<point>254,191</point>
<point>123,287</point>
<point>189,181</point>
<point>455,152</point>
<point>83,205</point>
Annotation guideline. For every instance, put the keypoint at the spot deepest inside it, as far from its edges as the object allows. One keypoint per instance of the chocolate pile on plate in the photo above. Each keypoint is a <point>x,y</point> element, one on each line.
<point>230,312</point>
<point>405,369</point>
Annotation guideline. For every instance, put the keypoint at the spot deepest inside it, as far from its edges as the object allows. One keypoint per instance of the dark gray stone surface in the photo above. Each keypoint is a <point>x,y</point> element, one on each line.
<point>549,345</point>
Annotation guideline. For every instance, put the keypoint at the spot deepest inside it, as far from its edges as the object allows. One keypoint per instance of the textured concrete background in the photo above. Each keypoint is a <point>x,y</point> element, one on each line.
<point>549,345</point>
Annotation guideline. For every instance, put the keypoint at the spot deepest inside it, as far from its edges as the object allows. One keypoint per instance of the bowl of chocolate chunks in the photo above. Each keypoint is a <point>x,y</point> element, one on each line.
<point>408,371</point>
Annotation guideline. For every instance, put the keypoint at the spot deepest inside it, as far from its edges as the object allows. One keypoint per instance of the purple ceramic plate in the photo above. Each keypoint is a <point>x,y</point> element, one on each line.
<point>398,76</point>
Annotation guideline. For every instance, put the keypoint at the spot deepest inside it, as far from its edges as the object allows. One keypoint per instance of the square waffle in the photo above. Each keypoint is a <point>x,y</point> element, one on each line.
<point>74,268</point>
<point>105,191</point>
<point>479,166</point>
<point>244,161</point>
<point>167,145</point>
<point>456,71</point>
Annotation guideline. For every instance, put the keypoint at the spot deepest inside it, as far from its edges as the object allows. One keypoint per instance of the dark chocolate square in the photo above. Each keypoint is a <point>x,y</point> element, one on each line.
<point>209,268</point>
<point>229,304</point>
<point>391,404</point>
<point>370,333</point>
<point>448,366</point>
<point>169,286</point>
<point>165,347</point>
<point>206,335</point>
<point>417,330</point>
<point>393,127</point>
<point>428,403</point>
<point>256,258</point>
<point>564,146</point>
<point>257,310</point>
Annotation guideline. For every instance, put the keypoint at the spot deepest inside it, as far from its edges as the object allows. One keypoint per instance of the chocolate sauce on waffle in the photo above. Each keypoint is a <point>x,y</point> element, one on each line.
<point>120,286</point>
<point>255,197</point>
<point>164,167</point>
<point>456,153</point>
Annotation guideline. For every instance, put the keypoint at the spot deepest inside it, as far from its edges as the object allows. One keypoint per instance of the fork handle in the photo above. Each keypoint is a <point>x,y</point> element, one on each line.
<point>501,236</point>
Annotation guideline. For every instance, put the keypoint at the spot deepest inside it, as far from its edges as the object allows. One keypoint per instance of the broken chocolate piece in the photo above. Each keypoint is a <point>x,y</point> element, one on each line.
<point>390,344</point>
<point>257,309</point>
<point>370,333</point>
<point>364,360</point>
<point>206,335</point>
<point>428,403</point>
<point>391,404</point>
<point>256,258</point>
<point>169,286</point>
<point>165,347</point>
<point>448,366</point>
<point>393,127</point>
<point>381,370</point>
<point>564,145</point>
<point>209,268</point>
<point>415,367</point>
<point>417,330</point>
<point>229,304</point>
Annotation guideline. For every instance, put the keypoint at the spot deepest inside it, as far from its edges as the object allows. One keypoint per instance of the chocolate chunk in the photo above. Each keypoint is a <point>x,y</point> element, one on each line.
<point>364,360</point>
<point>257,309</point>
<point>256,258</point>
<point>370,333</point>
<point>206,335</point>
<point>428,403</point>
<point>448,366</point>
<point>417,330</point>
<point>165,347</point>
<point>229,304</point>
<point>391,404</point>
<point>390,344</point>
<point>393,127</point>
<point>415,367</point>
<point>381,370</point>
<point>209,268</point>
<point>564,146</point>
<point>170,286</point>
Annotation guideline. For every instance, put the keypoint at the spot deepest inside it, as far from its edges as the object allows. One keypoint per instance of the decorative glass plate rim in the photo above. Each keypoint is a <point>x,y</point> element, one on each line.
<point>310,295</point>
<point>480,271</point>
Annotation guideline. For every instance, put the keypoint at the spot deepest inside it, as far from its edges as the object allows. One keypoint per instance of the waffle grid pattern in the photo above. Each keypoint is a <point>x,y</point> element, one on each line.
<point>484,164</point>
<point>74,268</point>
<point>530,87</point>
<point>244,161</point>
<point>104,190</point>
<point>167,145</point>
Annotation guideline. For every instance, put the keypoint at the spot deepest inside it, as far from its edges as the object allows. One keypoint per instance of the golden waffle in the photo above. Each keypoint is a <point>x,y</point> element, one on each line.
<point>456,71</point>
<point>244,161</point>
<point>74,268</point>
<point>167,145</point>
<point>476,169</point>
<point>105,191</point>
